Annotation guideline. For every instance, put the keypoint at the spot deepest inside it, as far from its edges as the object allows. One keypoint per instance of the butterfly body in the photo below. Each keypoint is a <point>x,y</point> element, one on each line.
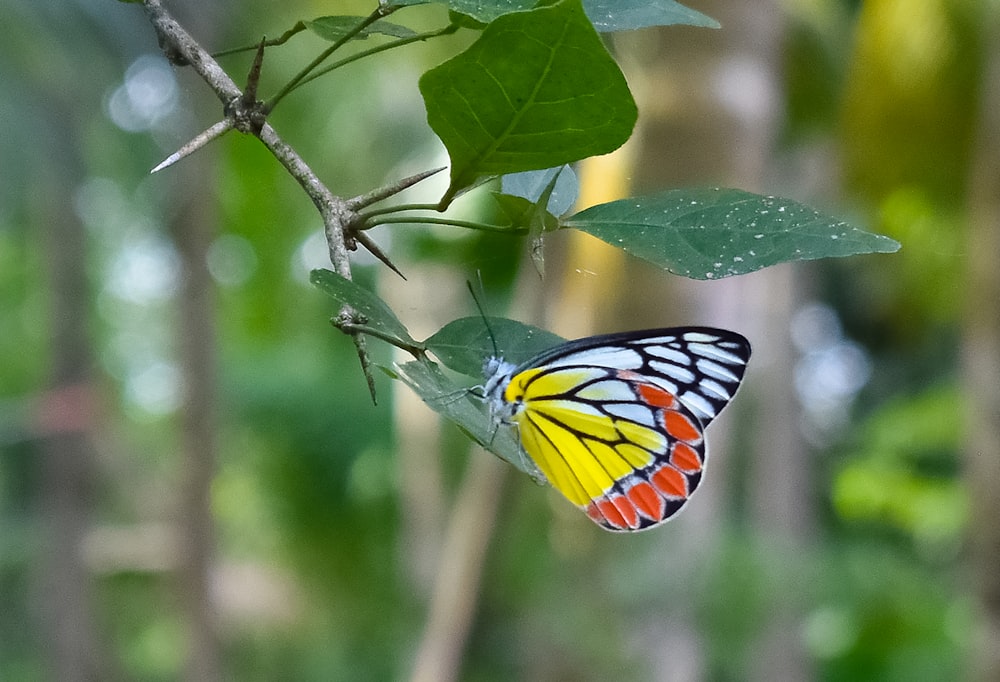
<point>616,422</point>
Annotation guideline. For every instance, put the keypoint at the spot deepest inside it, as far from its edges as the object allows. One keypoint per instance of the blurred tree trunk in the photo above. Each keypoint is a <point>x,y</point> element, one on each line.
<point>981,356</point>
<point>455,595</point>
<point>778,487</point>
<point>192,232</point>
<point>711,107</point>
<point>192,228</point>
<point>65,422</point>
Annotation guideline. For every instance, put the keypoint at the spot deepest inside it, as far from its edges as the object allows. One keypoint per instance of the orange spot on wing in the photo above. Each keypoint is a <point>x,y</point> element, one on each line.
<point>685,457</point>
<point>680,427</point>
<point>656,396</point>
<point>670,482</point>
<point>604,512</point>
<point>595,514</point>
<point>646,500</point>
<point>628,511</point>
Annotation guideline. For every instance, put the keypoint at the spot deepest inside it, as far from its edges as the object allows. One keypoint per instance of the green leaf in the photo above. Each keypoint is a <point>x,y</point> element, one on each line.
<point>538,89</point>
<point>374,313</point>
<point>532,184</point>
<point>464,344</point>
<point>333,28</point>
<point>485,11</point>
<point>606,15</point>
<point>521,213</point>
<point>714,233</point>
<point>622,15</point>
<point>458,405</point>
<point>465,21</point>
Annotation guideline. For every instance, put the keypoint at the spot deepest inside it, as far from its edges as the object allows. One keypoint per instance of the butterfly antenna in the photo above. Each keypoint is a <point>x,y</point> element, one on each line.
<point>482,313</point>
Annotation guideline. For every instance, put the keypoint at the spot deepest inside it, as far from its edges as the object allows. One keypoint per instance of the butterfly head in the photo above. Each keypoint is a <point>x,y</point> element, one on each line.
<point>498,373</point>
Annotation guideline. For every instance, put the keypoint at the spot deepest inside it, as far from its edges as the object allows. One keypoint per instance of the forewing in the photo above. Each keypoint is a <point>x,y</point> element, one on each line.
<point>701,366</point>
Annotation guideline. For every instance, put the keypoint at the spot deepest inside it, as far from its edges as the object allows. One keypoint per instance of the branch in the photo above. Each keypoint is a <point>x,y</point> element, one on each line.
<point>331,208</point>
<point>182,49</point>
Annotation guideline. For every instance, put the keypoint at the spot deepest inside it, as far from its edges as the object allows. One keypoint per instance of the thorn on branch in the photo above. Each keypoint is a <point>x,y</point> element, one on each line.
<point>344,321</point>
<point>375,250</point>
<point>366,365</point>
<point>195,144</point>
<point>253,78</point>
<point>387,191</point>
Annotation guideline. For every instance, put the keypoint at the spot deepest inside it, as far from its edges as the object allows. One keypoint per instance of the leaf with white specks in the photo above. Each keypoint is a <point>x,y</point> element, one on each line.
<point>606,15</point>
<point>716,233</point>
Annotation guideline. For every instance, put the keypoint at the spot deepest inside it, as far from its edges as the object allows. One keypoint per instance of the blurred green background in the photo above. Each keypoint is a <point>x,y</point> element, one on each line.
<point>194,483</point>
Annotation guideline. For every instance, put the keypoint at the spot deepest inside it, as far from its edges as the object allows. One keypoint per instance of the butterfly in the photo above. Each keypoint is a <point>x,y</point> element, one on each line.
<point>616,423</point>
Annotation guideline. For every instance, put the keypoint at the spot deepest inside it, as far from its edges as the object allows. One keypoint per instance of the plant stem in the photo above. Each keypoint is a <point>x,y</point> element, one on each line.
<point>280,40</point>
<point>468,224</point>
<point>301,75</point>
<point>396,209</point>
<point>450,28</point>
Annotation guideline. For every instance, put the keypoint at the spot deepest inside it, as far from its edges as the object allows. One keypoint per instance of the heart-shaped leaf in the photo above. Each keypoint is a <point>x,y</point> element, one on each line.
<point>538,89</point>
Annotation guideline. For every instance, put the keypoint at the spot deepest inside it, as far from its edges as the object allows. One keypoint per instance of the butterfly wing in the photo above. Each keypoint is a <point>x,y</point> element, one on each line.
<point>616,422</point>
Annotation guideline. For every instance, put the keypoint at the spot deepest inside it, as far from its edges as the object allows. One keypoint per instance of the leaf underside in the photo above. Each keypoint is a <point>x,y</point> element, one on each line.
<point>606,15</point>
<point>371,310</point>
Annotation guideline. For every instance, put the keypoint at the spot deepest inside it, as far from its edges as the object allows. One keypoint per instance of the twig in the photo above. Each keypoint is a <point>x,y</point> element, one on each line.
<point>180,47</point>
<point>349,35</point>
<point>331,208</point>
<point>175,41</point>
<point>447,30</point>
<point>280,40</point>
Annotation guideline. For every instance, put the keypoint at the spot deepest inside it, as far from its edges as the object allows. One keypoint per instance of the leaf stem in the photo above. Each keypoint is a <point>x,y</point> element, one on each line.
<point>304,73</point>
<point>450,28</point>
<point>396,209</point>
<point>274,42</point>
<point>430,220</point>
